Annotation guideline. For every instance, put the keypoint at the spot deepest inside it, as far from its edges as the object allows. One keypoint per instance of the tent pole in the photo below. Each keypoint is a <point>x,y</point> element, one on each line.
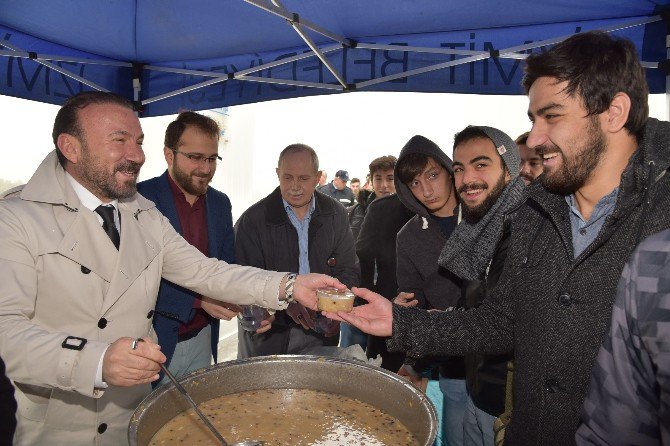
<point>137,87</point>
<point>667,79</point>
<point>56,68</point>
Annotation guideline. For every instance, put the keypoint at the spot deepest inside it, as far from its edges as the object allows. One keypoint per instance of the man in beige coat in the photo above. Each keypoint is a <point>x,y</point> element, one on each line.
<point>71,303</point>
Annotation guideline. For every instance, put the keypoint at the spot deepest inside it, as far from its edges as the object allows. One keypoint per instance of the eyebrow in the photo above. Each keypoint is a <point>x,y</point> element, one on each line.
<point>125,133</point>
<point>480,158</point>
<point>545,109</point>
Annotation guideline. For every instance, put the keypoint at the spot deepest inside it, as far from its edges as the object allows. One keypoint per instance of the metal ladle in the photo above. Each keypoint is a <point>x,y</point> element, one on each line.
<point>202,416</point>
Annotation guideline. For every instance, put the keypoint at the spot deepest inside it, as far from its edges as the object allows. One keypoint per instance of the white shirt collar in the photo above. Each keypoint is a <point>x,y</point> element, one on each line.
<point>91,202</point>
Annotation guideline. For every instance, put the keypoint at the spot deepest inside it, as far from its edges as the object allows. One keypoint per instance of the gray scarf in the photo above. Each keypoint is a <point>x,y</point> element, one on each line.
<point>470,248</point>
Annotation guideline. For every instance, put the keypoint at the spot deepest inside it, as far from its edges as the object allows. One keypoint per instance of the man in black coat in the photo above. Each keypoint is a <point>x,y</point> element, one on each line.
<point>295,229</point>
<point>604,189</point>
<point>7,407</point>
<point>375,247</point>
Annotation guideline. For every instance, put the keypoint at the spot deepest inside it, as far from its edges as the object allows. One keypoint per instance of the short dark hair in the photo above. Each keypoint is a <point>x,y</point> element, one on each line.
<point>297,148</point>
<point>354,180</point>
<point>410,166</point>
<point>176,128</point>
<point>522,139</point>
<point>383,163</point>
<point>67,118</point>
<point>596,67</point>
<point>468,134</point>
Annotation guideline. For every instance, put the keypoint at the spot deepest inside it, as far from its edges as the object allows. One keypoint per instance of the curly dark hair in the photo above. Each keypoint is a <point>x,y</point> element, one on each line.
<point>596,67</point>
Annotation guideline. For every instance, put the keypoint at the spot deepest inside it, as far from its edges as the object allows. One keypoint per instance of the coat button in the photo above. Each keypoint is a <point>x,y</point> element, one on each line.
<point>150,314</point>
<point>332,261</point>
<point>552,386</point>
<point>565,300</point>
<point>85,270</point>
<point>102,428</point>
<point>102,323</point>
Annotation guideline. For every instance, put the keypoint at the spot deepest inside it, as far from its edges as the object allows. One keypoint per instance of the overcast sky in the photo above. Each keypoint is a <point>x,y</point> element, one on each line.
<point>347,130</point>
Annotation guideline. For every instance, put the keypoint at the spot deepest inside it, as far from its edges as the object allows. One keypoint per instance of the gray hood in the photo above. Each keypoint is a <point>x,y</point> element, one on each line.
<point>418,144</point>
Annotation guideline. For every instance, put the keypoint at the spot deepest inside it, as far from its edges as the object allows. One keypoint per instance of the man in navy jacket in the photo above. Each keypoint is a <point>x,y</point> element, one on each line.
<point>187,325</point>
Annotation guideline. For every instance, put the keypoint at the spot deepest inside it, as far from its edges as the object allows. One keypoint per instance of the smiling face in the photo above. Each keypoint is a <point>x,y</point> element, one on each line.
<point>434,189</point>
<point>382,182</point>
<point>297,180</point>
<point>479,175</point>
<point>192,177</point>
<point>570,142</point>
<point>107,157</point>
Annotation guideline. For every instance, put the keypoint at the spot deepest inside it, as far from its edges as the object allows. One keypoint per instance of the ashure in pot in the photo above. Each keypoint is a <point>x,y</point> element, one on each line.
<point>353,379</point>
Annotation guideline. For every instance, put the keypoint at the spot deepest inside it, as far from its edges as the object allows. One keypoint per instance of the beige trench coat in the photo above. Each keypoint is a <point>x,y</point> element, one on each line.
<point>60,276</point>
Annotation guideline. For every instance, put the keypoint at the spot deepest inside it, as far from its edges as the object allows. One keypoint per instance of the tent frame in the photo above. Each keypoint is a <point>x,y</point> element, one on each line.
<point>300,26</point>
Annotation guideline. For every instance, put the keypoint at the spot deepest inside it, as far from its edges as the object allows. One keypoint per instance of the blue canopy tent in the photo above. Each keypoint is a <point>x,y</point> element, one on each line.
<point>199,54</point>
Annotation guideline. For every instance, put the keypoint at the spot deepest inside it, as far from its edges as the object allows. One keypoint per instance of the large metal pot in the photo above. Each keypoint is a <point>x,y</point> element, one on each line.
<point>367,383</point>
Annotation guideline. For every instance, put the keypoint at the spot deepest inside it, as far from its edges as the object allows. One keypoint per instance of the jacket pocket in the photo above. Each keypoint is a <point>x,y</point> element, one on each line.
<point>32,401</point>
<point>70,411</point>
<point>535,250</point>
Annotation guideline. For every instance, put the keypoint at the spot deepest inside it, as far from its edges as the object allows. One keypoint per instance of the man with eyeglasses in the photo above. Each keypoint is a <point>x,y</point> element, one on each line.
<point>187,325</point>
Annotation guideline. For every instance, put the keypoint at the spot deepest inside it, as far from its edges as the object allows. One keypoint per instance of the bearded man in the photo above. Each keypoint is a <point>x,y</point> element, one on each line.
<point>81,258</point>
<point>604,189</point>
<point>187,324</point>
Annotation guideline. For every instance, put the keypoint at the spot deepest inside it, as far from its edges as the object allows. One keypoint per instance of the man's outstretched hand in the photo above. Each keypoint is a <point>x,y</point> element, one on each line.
<point>375,317</point>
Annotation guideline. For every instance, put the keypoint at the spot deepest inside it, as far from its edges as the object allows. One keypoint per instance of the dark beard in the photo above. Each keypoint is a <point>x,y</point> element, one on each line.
<point>184,180</point>
<point>472,215</point>
<point>572,174</point>
<point>96,176</point>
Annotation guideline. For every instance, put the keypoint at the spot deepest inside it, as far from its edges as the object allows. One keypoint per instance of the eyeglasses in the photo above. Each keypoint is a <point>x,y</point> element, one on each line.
<point>199,158</point>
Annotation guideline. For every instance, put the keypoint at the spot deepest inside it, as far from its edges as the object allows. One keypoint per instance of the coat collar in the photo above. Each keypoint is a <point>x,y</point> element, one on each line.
<point>215,210</point>
<point>650,159</point>
<point>646,166</point>
<point>83,239</point>
<point>49,185</point>
<point>275,214</point>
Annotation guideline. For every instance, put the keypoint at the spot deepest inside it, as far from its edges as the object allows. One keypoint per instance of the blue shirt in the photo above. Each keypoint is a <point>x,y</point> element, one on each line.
<point>302,228</point>
<point>585,232</point>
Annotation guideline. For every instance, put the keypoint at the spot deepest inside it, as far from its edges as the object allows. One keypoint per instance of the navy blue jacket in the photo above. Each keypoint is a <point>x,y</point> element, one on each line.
<point>175,303</point>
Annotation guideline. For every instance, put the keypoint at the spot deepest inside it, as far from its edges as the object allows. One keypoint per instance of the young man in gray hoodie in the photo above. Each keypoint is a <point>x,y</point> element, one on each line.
<point>425,185</point>
<point>485,176</point>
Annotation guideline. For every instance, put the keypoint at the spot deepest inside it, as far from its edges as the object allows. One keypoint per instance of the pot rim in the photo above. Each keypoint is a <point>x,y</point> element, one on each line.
<point>165,388</point>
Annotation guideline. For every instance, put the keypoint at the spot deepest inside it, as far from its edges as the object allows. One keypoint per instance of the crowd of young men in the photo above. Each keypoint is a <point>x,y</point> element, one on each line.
<point>603,191</point>
<point>471,268</point>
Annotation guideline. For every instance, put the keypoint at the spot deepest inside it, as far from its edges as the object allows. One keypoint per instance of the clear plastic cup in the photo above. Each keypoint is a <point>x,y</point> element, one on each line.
<point>251,316</point>
<point>332,299</point>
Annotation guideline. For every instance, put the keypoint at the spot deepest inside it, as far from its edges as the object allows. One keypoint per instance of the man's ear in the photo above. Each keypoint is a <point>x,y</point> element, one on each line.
<point>70,147</point>
<point>616,115</point>
<point>169,156</point>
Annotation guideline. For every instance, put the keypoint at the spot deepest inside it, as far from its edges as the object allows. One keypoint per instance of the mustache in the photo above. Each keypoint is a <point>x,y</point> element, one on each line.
<point>129,167</point>
<point>472,186</point>
<point>544,149</point>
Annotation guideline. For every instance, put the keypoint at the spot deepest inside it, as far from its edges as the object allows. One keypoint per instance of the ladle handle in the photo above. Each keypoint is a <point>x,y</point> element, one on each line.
<point>183,391</point>
<point>202,416</point>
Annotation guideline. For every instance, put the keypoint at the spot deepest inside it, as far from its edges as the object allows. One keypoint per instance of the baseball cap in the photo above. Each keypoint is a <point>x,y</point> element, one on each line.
<point>342,175</point>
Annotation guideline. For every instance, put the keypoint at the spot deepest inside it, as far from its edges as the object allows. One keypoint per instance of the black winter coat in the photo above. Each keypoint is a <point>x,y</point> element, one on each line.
<point>487,374</point>
<point>7,408</point>
<point>266,238</point>
<point>376,246</point>
<point>550,308</point>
